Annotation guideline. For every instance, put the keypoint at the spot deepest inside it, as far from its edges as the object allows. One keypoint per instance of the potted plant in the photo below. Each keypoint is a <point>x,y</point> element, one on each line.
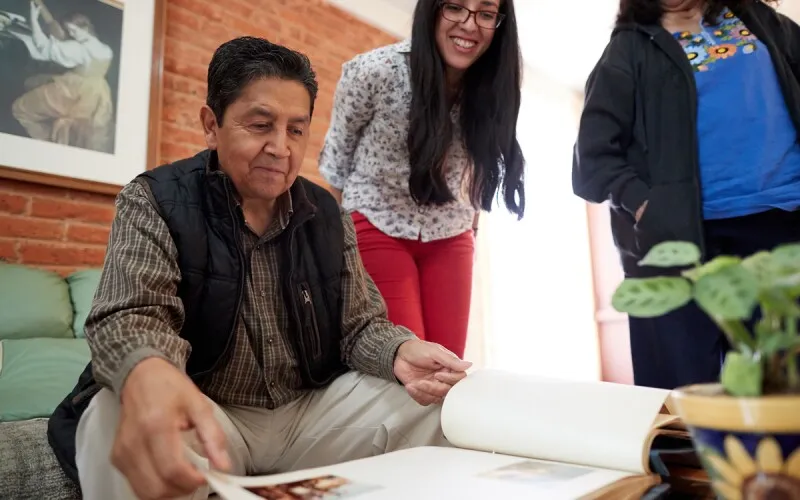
<point>746,427</point>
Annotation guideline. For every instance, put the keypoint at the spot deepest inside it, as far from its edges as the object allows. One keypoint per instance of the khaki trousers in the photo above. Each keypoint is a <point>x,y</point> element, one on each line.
<point>357,416</point>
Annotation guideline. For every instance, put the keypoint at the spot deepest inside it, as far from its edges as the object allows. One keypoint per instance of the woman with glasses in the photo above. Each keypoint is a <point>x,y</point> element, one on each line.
<point>690,130</point>
<point>422,137</point>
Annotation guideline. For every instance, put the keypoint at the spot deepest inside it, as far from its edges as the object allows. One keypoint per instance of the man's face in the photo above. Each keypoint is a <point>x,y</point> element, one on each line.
<point>263,137</point>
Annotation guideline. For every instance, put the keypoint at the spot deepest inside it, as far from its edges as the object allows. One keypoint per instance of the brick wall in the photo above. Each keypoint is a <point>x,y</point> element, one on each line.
<point>66,230</point>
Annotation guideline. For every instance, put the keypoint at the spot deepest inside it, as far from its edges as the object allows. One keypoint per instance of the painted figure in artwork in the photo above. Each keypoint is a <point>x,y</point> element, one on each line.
<point>74,107</point>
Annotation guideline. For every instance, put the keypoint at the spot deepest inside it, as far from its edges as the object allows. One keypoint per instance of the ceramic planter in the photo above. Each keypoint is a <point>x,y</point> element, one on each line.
<point>750,447</point>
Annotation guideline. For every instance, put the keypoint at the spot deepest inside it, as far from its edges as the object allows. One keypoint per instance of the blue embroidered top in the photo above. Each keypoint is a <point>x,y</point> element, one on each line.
<point>748,149</point>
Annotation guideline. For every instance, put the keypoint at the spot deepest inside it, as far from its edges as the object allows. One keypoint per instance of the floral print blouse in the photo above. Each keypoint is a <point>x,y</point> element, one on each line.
<point>727,38</point>
<point>366,157</point>
<point>748,151</point>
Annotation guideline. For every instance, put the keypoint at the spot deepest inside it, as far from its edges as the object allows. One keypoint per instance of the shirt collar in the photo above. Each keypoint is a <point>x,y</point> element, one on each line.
<point>403,47</point>
<point>285,208</point>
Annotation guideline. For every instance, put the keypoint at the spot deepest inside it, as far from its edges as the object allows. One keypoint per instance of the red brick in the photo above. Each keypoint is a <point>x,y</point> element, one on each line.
<point>180,116</point>
<point>242,27</point>
<point>61,209</point>
<point>88,233</point>
<point>50,254</point>
<point>179,31</point>
<point>187,53</point>
<point>183,17</point>
<point>27,227</point>
<point>13,203</point>
<point>242,8</point>
<point>174,64</point>
<point>92,197</point>
<point>8,250</point>
<point>64,271</point>
<point>183,85</point>
<point>189,137</point>
<point>216,35</point>
<point>298,17</point>
<point>294,32</point>
<point>31,188</point>
<point>171,152</point>
<point>210,11</point>
<point>269,23</point>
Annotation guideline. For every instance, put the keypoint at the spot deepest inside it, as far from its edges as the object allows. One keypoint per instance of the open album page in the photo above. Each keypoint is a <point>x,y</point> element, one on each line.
<point>424,473</point>
<point>598,424</point>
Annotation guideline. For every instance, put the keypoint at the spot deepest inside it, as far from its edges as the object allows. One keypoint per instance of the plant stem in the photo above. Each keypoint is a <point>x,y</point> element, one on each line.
<point>793,375</point>
<point>737,333</point>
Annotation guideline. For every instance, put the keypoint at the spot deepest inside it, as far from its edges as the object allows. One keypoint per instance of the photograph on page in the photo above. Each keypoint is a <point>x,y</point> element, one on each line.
<point>316,488</point>
<point>538,473</point>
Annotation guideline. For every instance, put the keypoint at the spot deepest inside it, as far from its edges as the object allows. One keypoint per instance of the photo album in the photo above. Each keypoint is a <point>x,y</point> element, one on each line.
<point>512,436</point>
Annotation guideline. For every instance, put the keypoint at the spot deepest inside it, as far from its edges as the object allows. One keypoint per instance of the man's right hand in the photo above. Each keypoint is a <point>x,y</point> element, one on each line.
<point>159,402</point>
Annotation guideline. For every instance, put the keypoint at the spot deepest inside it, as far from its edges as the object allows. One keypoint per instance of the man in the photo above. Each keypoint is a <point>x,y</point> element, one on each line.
<point>234,313</point>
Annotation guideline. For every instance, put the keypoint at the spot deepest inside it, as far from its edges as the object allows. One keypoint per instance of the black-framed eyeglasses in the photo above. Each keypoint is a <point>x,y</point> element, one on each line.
<point>487,19</point>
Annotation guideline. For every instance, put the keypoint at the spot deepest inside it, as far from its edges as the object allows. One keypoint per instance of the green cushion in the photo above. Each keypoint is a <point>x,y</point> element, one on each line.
<point>33,303</point>
<point>82,286</point>
<point>37,374</point>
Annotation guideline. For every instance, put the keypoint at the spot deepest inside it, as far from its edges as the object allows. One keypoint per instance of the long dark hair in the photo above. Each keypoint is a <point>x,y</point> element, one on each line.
<point>490,99</point>
<point>650,11</point>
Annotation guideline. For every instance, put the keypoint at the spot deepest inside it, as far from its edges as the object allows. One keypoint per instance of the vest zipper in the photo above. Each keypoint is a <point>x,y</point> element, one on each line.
<point>305,367</point>
<point>310,320</point>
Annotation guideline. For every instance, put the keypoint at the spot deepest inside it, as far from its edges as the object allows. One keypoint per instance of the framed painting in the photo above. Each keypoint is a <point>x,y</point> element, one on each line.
<point>80,90</point>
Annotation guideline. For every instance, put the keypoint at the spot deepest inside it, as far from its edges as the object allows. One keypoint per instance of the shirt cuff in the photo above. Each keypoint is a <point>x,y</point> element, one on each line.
<point>389,353</point>
<point>129,363</point>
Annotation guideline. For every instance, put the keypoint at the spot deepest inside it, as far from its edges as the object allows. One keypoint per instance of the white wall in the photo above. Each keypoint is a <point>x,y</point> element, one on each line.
<point>391,16</point>
<point>541,293</point>
<point>563,39</point>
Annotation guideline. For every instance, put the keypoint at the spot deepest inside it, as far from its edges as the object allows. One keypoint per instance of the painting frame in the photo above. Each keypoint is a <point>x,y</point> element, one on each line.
<point>153,123</point>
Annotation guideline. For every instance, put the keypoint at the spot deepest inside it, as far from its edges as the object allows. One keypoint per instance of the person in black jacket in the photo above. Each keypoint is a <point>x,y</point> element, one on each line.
<point>690,132</point>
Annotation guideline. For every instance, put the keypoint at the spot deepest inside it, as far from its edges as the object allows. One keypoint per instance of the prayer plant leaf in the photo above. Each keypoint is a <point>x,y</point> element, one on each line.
<point>763,266</point>
<point>788,257</point>
<point>728,294</point>
<point>672,254</point>
<point>651,297</point>
<point>710,267</point>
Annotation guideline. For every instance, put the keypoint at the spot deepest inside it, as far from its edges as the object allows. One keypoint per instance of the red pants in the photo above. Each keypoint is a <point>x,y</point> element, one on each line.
<point>427,286</point>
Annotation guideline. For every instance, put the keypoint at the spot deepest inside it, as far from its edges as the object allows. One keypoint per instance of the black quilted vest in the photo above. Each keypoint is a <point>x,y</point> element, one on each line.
<point>197,202</point>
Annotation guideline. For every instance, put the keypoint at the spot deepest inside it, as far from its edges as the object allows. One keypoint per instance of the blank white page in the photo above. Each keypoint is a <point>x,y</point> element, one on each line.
<point>599,424</point>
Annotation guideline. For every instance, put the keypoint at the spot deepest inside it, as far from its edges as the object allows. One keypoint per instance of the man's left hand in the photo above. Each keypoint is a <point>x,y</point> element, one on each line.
<point>428,370</point>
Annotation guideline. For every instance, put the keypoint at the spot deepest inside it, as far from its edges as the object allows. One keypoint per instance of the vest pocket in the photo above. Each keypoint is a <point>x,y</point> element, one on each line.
<point>310,326</point>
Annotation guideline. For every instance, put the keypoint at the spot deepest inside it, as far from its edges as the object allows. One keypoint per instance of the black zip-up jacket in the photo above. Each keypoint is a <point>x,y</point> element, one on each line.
<point>637,139</point>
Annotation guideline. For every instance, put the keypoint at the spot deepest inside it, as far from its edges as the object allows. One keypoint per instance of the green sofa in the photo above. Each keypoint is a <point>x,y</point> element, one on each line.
<point>42,353</point>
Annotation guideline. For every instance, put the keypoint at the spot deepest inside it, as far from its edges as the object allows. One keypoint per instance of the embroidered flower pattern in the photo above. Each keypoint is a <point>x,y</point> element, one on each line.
<point>744,34</point>
<point>722,40</point>
<point>723,51</point>
<point>697,56</point>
